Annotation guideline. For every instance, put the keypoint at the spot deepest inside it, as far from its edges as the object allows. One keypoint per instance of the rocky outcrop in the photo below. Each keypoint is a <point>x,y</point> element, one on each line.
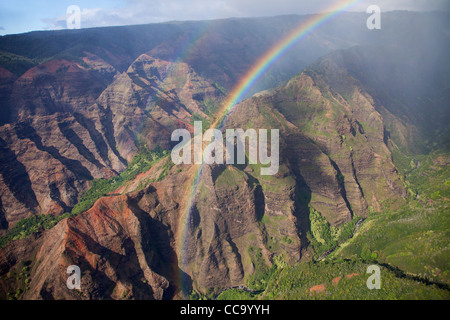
<point>150,100</point>
<point>77,121</point>
<point>333,144</point>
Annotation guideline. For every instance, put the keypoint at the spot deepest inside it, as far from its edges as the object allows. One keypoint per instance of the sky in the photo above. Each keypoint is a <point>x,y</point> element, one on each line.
<point>21,16</point>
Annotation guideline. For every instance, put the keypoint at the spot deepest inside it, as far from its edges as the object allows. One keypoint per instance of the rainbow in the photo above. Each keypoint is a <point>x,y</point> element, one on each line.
<point>242,87</point>
<point>276,51</point>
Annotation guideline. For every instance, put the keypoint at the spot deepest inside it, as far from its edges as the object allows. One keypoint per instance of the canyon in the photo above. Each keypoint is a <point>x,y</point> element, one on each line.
<point>341,103</point>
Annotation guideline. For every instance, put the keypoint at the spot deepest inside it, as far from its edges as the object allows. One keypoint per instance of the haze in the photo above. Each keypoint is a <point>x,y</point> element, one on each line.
<point>29,15</point>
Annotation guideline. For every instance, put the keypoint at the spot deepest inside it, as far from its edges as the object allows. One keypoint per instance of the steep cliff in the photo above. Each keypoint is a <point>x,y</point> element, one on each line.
<point>62,139</point>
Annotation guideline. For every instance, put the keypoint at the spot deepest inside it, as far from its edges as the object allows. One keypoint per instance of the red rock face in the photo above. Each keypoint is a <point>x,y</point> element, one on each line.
<point>69,127</point>
<point>107,244</point>
<point>54,87</point>
<point>317,289</point>
<point>124,245</point>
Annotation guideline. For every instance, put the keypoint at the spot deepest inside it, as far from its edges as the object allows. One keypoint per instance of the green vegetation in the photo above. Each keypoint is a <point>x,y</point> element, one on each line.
<point>320,235</point>
<point>324,237</point>
<point>427,176</point>
<point>272,221</point>
<point>286,239</point>
<point>205,121</point>
<point>211,106</point>
<point>413,238</point>
<point>295,282</point>
<point>258,280</point>
<point>336,279</point>
<point>220,88</point>
<point>25,227</point>
<point>15,63</point>
<point>236,294</point>
<point>166,167</point>
<point>209,295</point>
<point>410,244</point>
<point>18,281</point>
<point>142,162</point>
<point>229,178</point>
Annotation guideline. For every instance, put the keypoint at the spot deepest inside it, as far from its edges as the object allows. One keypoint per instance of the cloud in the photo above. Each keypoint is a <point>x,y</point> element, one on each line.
<point>148,11</point>
<point>95,17</point>
<point>411,5</point>
<point>141,12</point>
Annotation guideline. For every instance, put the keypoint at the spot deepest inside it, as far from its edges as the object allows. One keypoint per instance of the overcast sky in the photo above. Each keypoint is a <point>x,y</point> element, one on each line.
<point>29,15</point>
